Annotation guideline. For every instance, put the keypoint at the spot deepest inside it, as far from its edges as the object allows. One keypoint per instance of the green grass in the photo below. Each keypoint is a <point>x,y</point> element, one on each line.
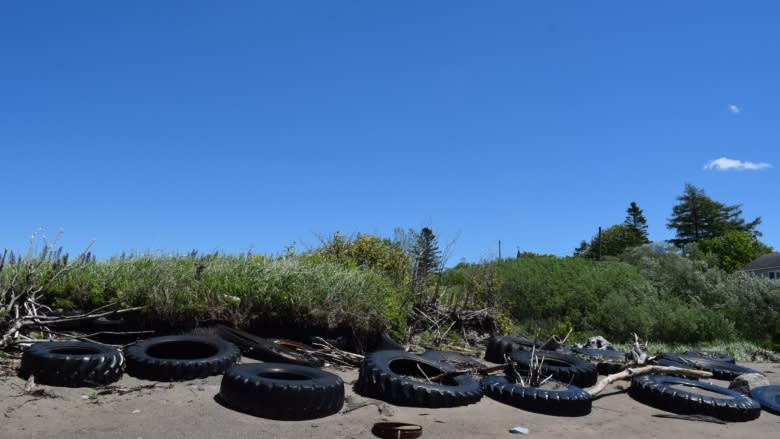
<point>288,291</point>
<point>741,351</point>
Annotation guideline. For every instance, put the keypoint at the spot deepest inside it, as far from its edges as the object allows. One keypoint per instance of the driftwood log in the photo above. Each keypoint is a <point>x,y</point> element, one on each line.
<point>629,373</point>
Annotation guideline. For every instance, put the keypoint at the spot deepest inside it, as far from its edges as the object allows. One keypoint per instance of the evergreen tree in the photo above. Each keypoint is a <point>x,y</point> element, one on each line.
<point>636,221</point>
<point>697,217</point>
<point>427,259</point>
<point>582,249</point>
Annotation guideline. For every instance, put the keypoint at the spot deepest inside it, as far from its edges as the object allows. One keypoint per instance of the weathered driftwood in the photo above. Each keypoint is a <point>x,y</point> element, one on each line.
<point>328,352</point>
<point>631,372</point>
<point>638,350</point>
<point>13,335</point>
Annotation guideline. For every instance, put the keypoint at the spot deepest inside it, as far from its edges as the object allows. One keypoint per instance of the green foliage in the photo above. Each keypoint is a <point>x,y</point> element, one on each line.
<point>738,303</point>
<point>637,223</point>
<point>287,290</point>
<point>741,351</point>
<point>370,252</point>
<point>733,250</point>
<point>754,306</point>
<point>652,290</point>
<point>426,260</point>
<point>582,249</point>
<point>544,291</point>
<point>612,242</point>
<point>363,284</point>
<point>472,286</point>
<point>615,239</point>
<point>697,217</point>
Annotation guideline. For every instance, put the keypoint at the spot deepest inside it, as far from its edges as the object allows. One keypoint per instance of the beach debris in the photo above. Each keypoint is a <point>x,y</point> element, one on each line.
<point>520,430</point>
<point>396,430</point>
<point>745,383</point>
<point>632,372</point>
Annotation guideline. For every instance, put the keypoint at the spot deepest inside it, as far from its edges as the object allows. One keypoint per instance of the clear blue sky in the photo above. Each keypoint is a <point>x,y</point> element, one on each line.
<point>170,126</point>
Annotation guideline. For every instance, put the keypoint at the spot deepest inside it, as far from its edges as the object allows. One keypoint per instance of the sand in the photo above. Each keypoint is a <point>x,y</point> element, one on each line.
<point>189,410</point>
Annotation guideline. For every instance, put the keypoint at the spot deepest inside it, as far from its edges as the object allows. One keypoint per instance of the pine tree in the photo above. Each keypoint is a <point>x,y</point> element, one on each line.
<point>427,259</point>
<point>697,217</point>
<point>637,223</point>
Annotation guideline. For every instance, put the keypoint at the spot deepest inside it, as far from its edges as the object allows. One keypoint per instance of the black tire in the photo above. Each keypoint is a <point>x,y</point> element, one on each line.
<point>720,370</point>
<point>66,325</point>
<point>116,323</point>
<point>180,357</point>
<point>72,363</point>
<point>711,355</point>
<point>566,368</point>
<point>499,346</point>
<point>456,359</point>
<point>768,397</point>
<point>282,391</point>
<point>663,361</point>
<point>600,354</point>
<point>386,375</point>
<point>606,368</point>
<point>262,349</point>
<point>658,391</point>
<point>570,401</point>
<point>608,361</point>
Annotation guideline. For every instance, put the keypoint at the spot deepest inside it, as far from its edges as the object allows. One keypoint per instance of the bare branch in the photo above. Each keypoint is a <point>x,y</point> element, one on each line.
<point>629,373</point>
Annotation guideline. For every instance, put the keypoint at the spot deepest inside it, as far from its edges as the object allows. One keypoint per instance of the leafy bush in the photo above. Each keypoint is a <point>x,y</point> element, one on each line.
<point>543,291</point>
<point>657,293</point>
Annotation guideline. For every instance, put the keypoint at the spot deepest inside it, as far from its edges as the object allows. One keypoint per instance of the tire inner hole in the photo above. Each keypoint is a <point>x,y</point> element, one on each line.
<point>419,371</point>
<point>287,376</point>
<point>181,350</point>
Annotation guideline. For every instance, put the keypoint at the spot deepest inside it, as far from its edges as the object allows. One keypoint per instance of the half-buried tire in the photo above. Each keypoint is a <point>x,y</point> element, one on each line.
<point>282,391</point>
<point>456,359</point>
<point>721,370</point>
<point>179,357</point>
<point>262,349</point>
<point>399,377</point>
<point>499,346</point>
<point>560,400</point>
<point>688,397</point>
<point>72,363</point>
<point>712,355</point>
<point>607,361</point>
<point>566,368</point>
<point>768,397</point>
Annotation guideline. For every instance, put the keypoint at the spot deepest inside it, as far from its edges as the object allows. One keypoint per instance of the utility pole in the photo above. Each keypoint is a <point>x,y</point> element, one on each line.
<point>499,249</point>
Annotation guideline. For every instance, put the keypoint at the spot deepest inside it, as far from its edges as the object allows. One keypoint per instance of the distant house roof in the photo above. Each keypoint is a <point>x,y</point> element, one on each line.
<point>769,260</point>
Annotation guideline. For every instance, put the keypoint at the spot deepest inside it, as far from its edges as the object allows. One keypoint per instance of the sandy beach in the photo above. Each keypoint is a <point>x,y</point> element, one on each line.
<point>189,410</point>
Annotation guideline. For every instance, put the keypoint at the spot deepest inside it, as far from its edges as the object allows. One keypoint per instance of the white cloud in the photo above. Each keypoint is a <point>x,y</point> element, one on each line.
<point>734,109</point>
<point>727,164</point>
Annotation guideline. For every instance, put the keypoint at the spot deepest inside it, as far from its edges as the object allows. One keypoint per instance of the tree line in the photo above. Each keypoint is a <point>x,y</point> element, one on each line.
<point>705,228</point>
